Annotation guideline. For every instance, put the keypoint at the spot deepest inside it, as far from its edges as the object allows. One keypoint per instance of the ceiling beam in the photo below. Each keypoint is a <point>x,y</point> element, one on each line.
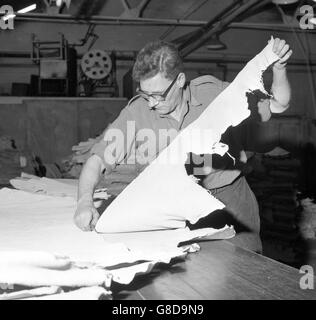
<point>108,20</point>
<point>135,12</point>
<point>255,10</point>
<point>186,37</point>
<point>191,36</point>
<point>88,8</point>
<point>206,32</point>
<point>97,19</point>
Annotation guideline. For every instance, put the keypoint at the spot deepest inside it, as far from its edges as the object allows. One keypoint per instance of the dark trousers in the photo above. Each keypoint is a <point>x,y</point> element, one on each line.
<point>241,211</point>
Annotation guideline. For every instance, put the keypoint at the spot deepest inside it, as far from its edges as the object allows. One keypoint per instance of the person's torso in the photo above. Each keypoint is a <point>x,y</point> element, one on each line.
<point>154,133</point>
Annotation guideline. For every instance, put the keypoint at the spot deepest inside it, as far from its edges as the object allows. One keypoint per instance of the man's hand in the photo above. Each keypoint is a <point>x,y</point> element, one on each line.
<point>86,215</point>
<point>264,109</point>
<point>282,49</point>
<point>280,88</point>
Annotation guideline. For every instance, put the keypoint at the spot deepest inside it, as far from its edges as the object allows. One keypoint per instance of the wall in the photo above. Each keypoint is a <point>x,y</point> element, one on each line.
<point>241,43</point>
<point>50,127</point>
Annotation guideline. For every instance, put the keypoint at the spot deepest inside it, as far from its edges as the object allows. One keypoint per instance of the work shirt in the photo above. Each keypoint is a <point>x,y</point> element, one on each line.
<point>139,134</point>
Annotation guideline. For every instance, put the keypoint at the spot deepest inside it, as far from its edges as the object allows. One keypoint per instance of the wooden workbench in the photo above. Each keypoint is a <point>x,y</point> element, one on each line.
<point>221,271</point>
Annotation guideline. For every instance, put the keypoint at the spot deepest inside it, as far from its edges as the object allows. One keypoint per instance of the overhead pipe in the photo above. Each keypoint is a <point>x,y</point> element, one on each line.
<point>268,26</point>
<point>198,40</point>
<point>104,20</point>
<point>67,18</point>
<point>130,56</point>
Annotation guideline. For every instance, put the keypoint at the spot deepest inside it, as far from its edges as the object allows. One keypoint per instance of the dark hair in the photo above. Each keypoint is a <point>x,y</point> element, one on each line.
<point>157,56</point>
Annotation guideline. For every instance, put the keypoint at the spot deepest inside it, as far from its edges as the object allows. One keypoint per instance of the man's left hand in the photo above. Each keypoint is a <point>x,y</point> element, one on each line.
<point>282,49</point>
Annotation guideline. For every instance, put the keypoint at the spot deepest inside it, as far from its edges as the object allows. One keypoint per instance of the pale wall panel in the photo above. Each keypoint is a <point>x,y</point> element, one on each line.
<point>95,115</point>
<point>13,123</point>
<point>52,127</point>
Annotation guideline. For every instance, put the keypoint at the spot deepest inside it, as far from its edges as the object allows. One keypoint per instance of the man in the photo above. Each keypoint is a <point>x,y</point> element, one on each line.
<point>166,101</point>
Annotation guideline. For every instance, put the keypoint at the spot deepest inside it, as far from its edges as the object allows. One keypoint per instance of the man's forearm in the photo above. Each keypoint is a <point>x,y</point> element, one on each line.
<point>281,90</point>
<point>89,177</point>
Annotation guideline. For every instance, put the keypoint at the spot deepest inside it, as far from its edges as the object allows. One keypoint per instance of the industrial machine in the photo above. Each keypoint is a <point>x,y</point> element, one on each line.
<point>57,61</point>
<point>57,67</point>
<point>98,74</point>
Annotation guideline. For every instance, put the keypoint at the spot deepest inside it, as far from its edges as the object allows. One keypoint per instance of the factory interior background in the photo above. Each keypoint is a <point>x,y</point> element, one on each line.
<point>51,98</point>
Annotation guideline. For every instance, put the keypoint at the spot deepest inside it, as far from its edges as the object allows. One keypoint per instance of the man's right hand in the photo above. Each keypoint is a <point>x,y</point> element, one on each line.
<point>86,216</point>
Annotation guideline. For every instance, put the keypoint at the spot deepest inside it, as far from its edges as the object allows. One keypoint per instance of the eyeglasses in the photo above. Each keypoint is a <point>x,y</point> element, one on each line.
<point>159,97</point>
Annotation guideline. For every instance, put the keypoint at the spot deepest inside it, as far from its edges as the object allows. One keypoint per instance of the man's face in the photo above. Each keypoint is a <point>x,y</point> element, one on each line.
<point>155,87</point>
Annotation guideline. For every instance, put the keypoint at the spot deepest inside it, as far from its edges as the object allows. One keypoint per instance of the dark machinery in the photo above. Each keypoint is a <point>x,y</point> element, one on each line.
<point>57,68</point>
<point>98,74</point>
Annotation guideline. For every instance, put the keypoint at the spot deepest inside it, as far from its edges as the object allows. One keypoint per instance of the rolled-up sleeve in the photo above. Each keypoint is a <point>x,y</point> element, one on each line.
<point>118,140</point>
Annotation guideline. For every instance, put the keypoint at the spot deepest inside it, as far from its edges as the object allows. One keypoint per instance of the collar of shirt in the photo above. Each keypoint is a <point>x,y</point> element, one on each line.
<point>190,100</point>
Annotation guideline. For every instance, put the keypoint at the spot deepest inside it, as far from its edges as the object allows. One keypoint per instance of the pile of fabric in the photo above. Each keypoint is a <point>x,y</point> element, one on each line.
<point>71,166</point>
<point>307,221</point>
<point>50,275</point>
<point>13,160</point>
<point>43,255</point>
